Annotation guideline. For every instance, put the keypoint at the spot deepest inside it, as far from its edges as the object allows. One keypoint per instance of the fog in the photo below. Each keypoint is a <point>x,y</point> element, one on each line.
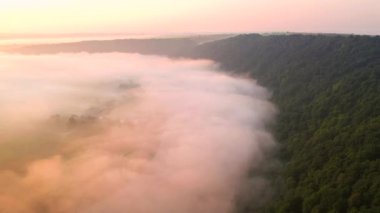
<point>127,133</point>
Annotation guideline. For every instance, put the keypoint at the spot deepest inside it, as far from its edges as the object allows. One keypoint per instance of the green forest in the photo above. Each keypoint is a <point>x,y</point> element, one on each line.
<point>327,90</point>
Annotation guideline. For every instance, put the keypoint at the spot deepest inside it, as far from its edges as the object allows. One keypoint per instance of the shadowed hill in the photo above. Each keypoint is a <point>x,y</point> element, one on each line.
<point>327,89</point>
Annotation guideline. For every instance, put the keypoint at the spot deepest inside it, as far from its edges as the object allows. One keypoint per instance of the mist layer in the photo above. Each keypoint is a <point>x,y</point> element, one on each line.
<point>126,133</point>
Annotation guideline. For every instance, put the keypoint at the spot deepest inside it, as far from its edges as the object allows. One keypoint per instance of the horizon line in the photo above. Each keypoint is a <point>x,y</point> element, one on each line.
<point>12,36</point>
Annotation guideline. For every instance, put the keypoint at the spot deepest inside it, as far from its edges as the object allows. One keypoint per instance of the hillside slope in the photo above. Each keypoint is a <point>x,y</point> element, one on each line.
<point>327,89</point>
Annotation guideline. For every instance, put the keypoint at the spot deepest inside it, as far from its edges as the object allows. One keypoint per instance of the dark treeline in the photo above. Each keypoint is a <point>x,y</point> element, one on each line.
<point>327,90</point>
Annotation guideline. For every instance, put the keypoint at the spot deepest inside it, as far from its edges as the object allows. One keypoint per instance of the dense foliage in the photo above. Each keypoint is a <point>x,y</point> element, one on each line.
<point>327,89</point>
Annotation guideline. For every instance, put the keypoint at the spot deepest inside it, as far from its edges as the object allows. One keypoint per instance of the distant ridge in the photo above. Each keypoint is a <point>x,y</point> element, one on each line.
<point>165,45</point>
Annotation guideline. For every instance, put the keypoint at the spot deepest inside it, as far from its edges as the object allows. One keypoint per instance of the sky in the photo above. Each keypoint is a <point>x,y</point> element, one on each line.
<point>195,16</point>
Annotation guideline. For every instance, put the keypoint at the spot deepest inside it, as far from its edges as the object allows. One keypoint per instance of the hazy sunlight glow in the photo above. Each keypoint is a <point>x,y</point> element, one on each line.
<point>171,16</point>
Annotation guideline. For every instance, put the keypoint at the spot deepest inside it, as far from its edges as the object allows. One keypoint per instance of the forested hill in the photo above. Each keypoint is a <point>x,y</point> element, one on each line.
<point>327,89</point>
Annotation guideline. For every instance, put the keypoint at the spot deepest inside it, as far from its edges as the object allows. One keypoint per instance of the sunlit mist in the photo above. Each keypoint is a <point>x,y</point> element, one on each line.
<point>119,132</point>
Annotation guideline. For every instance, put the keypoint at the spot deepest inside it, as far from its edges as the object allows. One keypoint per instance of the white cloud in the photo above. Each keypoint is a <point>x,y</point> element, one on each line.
<point>166,136</point>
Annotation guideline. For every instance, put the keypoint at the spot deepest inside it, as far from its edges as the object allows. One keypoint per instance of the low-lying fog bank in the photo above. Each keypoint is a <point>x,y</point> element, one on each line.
<point>127,133</point>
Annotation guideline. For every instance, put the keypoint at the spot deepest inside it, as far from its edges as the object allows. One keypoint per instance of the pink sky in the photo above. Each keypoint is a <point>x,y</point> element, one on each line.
<point>180,16</point>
